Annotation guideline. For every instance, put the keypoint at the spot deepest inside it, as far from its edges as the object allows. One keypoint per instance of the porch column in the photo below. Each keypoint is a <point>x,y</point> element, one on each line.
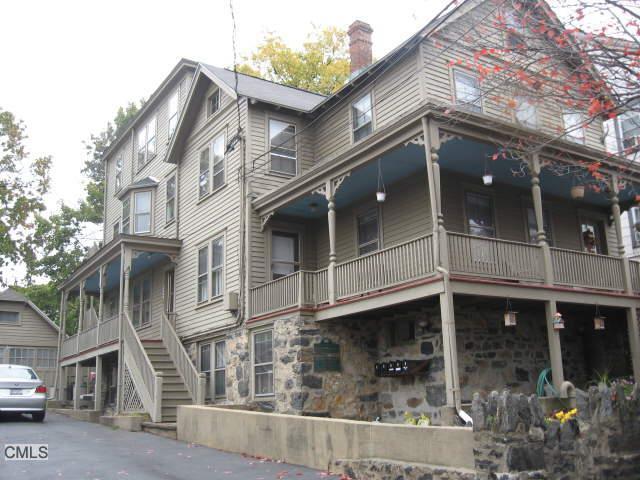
<point>634,341</point>
<point>441,260</point>
<point>61,336</point>
<point>555,351</point>
<point>101,281</point>
<point>331,272</point>
<point>97,404</point>
<point>125,270</point>
<point>536,193</point>
<point>615,212</point>
<point>76,388</point>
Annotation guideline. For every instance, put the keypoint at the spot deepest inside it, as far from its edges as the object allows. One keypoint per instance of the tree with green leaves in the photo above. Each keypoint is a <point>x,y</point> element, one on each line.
<point>322,65</point>
<point>23,184</point>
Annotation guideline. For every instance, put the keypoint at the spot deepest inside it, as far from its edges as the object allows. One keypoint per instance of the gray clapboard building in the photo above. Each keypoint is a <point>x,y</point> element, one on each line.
<point>249,257</point>
<point>27,336</point>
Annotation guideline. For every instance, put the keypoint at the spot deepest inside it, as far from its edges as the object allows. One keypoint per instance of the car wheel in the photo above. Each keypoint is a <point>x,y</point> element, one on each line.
<point>38,416</point>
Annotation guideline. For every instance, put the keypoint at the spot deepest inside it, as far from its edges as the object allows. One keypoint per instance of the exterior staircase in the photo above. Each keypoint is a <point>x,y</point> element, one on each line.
<point>174,391</point>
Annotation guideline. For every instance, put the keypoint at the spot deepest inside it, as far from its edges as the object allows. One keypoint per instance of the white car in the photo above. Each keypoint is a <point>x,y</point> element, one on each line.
<point>21,391</point>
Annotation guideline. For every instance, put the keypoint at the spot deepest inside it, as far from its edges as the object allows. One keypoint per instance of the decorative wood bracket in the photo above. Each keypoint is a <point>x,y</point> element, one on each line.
<point>337,182</point>
<point>417,140</point>
<point>264,219</point>
<point>328,190</point>
<point>446,137</point>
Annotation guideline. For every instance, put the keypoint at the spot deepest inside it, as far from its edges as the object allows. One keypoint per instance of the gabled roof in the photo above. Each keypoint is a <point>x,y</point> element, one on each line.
<point>264,90</point>
<point>11,295</point>
<point>146,182</point>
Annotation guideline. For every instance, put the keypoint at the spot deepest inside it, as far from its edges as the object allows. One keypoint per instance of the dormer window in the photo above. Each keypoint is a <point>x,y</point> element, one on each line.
<point>573,126</point>
<point>118,181</point>
<point>467,90</point>
<point>362,117</point>
<point>172,111</point>
<point>146,143</point>
<point>526,111</point>
<point>213,103</point>
<point>142,212</point>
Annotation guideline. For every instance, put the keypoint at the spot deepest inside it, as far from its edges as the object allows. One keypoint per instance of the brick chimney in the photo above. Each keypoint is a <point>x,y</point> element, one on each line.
<point>360,45</point>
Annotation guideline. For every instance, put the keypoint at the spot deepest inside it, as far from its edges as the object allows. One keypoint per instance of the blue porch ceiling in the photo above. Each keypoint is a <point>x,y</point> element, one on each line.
<point>143,262</point>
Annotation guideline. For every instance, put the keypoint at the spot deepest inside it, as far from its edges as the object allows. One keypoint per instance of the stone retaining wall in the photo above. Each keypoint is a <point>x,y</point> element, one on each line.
<point>514,440</point>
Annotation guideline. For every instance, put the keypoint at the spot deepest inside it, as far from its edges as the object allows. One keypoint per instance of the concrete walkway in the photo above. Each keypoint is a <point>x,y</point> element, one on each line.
<point>80,450</point>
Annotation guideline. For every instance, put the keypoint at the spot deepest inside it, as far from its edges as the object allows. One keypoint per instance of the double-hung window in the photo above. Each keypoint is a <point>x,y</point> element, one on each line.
<point>170,201</point>
<point>126,215</point>
<point>213,103</point>
<point>368,232</point>
<point>141,306</point>
<point>211,270</point>
<point>532,225</point>
<point>282,145</point>
<point>479,210</point>
<point>362,117</point>
<point>172,111</point>
<point>9,317</point>
<point>46,358</point>
<point>263,363</point>
<point>205,362</point>
<point>526,111</point>
<point>573,126</point>
<point>22,356</point>
<point>142,212</point>
<point>118,181</point>
<point>212,159</point>
<point>219,369</point>
<point>285,254</point>
<point>630,130</point>
<point>467,90</point>
<point>116,228</point>
<point>146,143</point>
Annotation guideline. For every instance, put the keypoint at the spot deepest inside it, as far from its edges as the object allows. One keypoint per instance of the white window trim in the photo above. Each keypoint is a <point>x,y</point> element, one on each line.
<point>133,213</point>
<point>177,93</point>
<point>140,280</point>
<point>294,231</point>
<point>19,322</point>
<point>456,71</point>
<point>209,111</point>
<point>570,136</point>
<point>119,167</point>
<point>215,369</point>
<point>295,139</point>
<point>373,116</point>
<point>173,177</point>
<point>128,217</point>
<point>115,229</point>
<point>210,189</point>
<point>253,364</point>
<point>535,124</point>
<point>147,158</point>
<point>208,245</point>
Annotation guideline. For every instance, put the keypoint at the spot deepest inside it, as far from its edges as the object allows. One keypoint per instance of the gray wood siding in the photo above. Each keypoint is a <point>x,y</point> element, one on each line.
<point>156,168</point>
<point>201,220</point>
<point>437,74</point>
<point>32,330</point>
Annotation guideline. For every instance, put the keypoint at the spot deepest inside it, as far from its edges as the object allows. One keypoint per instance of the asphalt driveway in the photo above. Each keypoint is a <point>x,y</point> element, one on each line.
<point>80,450</point>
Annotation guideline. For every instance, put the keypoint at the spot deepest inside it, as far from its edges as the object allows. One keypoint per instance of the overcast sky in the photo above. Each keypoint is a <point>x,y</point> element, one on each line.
<point>66,66</point>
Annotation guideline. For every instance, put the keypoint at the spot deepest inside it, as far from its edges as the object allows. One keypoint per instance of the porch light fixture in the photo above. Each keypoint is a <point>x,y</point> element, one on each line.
<point>509,315</point>
<point>558,321</point>
<point>381,193</point>
<point>487,178</point>
<point>577,192</point>
<point>598,320</point>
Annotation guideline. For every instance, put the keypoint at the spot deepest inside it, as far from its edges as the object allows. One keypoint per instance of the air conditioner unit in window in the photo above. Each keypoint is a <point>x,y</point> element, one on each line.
<point>231,301</point>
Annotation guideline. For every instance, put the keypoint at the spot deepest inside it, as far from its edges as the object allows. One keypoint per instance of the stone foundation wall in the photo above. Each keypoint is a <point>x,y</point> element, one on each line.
<point>514,440</point>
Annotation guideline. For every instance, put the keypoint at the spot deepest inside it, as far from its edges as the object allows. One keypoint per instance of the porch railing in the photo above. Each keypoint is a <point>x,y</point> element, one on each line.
<point>385,268</point>
<point>69,346</point>
<point>108,330</point>
<point>194,381</point>
<point>148,382</point>
<point>580,269</point>
<point>634,266</point>
<point>495,258</point>
<point>275,295</point>
<point>87,339</point>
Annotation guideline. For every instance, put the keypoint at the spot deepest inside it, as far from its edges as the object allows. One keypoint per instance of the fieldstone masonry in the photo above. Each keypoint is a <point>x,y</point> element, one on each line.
<point>515,441</point>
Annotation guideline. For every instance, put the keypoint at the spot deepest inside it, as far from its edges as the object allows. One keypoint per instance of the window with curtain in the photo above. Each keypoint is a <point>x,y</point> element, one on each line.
<point>263,363</point>
<point>284,254</point>
<point>479,210</point>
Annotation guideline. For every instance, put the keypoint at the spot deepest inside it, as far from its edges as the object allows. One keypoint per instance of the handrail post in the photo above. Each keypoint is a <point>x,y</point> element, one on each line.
<point>201,389</point>
<point>157,397</point>
<point>300,289</point>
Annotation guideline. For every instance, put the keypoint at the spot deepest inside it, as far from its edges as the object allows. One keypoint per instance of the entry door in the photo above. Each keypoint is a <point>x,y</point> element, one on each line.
<point>169,291</point>
<point>592,236</point>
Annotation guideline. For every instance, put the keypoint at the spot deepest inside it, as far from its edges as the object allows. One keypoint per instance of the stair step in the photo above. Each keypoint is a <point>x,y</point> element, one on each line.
<point>176,395</point>
<point>162,365</point>
<point>174,387</point>
<point>174,402</point>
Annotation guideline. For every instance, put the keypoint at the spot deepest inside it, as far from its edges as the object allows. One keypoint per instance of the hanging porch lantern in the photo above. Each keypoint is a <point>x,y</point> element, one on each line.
<point>509,316</point>
<point>577,192</point>
<point>558,321</point>
<point>381,194</point>
<point>487,178</point>
<point>598,320</point>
